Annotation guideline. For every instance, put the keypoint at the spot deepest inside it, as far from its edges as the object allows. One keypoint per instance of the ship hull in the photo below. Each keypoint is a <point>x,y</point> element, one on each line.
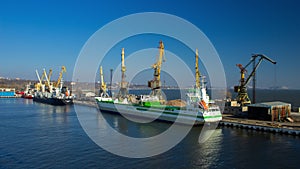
<point>178,116</point>
<point>53,101</point>
<point>27,96</point>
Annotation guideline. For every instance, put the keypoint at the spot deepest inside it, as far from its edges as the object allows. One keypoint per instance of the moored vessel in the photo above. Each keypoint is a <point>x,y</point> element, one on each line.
<point>197,109</point>
<point>29,92</point>
<point>52,93</point>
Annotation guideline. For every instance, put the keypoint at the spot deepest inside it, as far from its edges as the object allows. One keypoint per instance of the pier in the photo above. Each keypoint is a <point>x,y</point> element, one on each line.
<point>263,126</point>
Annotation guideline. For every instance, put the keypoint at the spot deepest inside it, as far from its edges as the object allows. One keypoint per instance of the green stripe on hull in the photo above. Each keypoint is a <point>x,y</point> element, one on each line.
<point>209,117</point>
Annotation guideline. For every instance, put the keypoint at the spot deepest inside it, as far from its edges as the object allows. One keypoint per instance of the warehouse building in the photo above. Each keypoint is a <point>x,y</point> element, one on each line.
<point>7,92</point>
<point>271,111</point>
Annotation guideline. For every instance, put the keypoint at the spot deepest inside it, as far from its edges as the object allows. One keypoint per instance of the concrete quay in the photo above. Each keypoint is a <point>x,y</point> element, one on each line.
<point>263,126</point>
<point>86,103</point>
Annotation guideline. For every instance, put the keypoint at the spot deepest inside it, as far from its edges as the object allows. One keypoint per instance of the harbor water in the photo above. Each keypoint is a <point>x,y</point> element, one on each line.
<point>35,135</point>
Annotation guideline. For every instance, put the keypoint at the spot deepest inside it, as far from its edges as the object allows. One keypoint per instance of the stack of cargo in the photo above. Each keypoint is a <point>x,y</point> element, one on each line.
<point>177,103</point>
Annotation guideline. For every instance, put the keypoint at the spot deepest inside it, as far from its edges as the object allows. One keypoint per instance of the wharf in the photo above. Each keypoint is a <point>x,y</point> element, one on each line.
<point>10,96</point>
<point>259,125</point>
<point>86,103</point>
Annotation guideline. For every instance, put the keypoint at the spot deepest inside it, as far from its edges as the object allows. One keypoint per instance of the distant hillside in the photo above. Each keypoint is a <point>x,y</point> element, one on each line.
<point>18,84</point>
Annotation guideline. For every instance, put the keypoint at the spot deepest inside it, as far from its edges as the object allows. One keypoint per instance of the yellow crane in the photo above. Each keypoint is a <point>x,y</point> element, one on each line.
<point>63,70</point>
<point>103,85</point>
<point>197,72</point>
<point>155,84</point>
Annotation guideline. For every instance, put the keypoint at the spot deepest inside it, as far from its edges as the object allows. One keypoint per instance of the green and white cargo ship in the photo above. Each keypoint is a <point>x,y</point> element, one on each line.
<point>196,110</point>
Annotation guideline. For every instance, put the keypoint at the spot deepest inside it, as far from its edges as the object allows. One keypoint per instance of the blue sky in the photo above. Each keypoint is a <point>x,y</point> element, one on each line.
<point>48,34</point>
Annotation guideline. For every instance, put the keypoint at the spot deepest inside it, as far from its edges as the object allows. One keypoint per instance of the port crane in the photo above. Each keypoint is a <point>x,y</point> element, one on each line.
<point>242,96</point>
<point>197,72</point>
<point>155,84</point>
<point>103,89</point>
<point>123,92</point>
<point>63,70</point>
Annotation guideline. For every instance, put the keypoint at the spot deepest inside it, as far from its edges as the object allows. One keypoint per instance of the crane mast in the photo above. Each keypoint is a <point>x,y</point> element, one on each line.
<point>155,84</point>
<point>242,96</point>
<point>197,72</point>
<point>123,92</point>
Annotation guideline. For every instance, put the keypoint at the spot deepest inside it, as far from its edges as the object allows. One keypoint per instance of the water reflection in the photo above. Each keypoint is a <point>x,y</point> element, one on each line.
<point>57,114</point>
<point>127,127</point>
<point>27,101</point>
<point>203,155</point>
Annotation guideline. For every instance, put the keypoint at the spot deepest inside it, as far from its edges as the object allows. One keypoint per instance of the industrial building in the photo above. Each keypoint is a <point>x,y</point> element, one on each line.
<point>274,111</point>
<point>7,92</point>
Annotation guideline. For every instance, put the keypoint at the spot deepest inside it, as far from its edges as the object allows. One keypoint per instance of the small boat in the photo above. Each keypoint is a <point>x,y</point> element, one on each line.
<point>28,96</point>
<point>29,92</point>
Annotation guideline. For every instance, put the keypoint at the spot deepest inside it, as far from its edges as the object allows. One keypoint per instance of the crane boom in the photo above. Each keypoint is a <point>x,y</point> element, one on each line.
<point>103,85</point>
<point>63,70</point>
<point>157,65</point>
<point>38,76</point>
<point>257,65</point>
<point>45,75</point>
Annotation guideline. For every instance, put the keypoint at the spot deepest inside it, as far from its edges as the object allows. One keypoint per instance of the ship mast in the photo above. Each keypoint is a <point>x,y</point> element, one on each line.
<point>155,84</point>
